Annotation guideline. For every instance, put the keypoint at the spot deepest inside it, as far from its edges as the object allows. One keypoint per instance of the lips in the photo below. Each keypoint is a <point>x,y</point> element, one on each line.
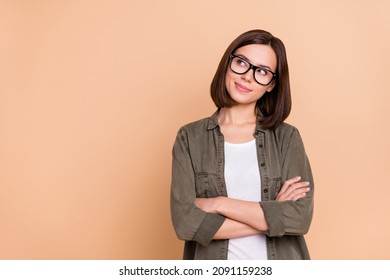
<point>242,88</point>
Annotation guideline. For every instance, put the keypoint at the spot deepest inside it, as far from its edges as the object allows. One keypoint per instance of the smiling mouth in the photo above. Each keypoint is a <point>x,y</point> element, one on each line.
<point>242,88</point>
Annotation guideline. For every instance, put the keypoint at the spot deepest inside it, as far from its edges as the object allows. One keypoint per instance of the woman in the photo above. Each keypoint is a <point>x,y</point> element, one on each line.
<point>242,186</point>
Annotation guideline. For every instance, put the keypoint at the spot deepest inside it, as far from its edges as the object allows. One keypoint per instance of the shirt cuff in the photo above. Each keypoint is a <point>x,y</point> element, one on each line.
<point>207,229</point>
<point>273,216</point>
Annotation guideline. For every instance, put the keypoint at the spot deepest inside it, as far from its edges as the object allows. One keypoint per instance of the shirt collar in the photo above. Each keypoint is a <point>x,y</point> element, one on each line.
<point>213,120</point>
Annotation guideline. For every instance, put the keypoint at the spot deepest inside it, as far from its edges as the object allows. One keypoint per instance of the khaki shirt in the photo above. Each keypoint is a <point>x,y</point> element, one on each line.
<point>198,171</point>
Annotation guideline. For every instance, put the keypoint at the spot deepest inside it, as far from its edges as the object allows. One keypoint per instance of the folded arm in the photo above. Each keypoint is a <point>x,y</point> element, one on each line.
<point>248,217</point>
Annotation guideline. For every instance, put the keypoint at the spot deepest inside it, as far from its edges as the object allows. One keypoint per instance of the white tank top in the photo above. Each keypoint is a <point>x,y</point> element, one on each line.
<point>242,179</point>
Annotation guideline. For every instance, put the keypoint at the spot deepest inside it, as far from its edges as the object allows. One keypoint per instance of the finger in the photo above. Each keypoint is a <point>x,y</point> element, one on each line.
<point>298,193</point>
<point>302,195</point>
<point>296,188</point>
<point>289,182</point>
<point>293,194</point>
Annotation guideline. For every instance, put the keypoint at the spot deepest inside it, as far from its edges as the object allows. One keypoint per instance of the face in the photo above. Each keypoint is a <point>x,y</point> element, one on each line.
<point>243,88</point>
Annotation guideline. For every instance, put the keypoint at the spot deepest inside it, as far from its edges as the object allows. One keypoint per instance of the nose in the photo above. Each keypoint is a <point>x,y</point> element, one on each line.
<point>248,76</point>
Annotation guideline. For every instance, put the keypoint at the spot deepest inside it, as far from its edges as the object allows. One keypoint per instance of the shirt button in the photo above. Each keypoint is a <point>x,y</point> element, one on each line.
<point>261,145</point>
<point>262,164</point>
<point>265,190</point>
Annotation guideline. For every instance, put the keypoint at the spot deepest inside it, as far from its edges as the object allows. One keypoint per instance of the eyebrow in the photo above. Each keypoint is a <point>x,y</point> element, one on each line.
<point>260,65</point>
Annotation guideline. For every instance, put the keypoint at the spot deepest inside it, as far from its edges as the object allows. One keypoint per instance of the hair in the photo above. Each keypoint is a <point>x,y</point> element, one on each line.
<point>275,105</point>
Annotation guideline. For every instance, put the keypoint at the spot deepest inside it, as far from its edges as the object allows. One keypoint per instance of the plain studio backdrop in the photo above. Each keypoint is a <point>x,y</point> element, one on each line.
<point>92,93</point>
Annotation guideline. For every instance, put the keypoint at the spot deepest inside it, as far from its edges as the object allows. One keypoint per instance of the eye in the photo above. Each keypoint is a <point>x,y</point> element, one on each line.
<point>262,71</point>
<point>241,62</point>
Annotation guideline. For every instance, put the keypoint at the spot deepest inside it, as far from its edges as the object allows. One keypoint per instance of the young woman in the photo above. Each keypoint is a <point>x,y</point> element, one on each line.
<point>242,186</point>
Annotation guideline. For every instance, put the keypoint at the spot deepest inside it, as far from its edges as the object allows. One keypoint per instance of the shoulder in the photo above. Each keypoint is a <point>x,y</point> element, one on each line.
<point>196,125</point>
<point>285,129</point>
<point>196,133</point>
<point>200,126</point>
<point>285,134</point>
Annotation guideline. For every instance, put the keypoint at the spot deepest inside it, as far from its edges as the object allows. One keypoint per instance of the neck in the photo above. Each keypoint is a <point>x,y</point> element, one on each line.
<point>237,115</point>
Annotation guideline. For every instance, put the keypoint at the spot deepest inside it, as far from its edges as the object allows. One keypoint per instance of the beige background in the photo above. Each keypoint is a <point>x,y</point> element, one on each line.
<point>92,94</point>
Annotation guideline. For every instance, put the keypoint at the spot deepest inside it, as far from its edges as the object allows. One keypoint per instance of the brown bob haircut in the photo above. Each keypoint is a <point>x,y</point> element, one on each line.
<point>275,106</point>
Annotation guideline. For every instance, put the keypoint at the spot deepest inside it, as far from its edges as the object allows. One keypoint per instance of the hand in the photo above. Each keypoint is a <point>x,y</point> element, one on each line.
<point>207,204</point>
<point>293,189</point>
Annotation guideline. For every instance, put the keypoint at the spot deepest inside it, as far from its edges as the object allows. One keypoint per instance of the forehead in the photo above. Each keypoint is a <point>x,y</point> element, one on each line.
<point>258,54</point>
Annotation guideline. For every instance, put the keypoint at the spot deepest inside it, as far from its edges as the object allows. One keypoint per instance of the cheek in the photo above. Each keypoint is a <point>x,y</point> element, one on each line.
<point>260,91</point>
<point>271,87</point>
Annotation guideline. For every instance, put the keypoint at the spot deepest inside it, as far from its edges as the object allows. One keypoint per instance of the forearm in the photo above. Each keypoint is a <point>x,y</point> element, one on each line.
<point>254,214</point>
<point>246,212</point>
<point>234,229</point>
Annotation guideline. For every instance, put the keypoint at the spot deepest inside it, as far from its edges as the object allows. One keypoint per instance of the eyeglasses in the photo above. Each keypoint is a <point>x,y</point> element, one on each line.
<point>262,75</point>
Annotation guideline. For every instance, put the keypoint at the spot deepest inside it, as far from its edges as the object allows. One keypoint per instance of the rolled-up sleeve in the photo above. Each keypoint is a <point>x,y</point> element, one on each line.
<point>190,223</point>
<point>291,217</point>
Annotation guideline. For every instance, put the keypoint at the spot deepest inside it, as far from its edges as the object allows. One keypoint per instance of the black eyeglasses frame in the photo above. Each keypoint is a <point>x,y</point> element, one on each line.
<point>251,66</point>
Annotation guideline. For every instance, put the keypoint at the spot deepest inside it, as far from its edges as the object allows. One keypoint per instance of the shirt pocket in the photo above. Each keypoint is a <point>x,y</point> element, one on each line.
<point>274,186</point>
<point>206,185</point>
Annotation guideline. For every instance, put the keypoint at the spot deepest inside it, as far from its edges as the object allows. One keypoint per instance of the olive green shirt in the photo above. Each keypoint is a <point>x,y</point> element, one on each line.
<point>198,171</point>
